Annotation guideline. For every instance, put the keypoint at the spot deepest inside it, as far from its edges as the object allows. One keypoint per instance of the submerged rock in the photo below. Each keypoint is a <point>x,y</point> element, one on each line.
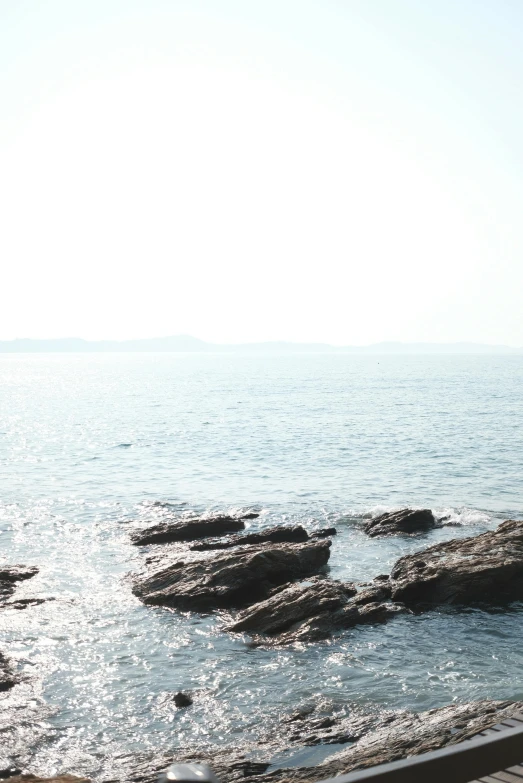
<point>275,535</point>
<point>397,522</point>
<point>231,579</point>
<point>482,569</point>
<point>314,611</point>
<point>189,529</point>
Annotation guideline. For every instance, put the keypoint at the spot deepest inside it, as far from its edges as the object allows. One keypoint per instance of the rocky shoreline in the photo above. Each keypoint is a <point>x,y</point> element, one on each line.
<point>284,596</point>
<point>272,586</point>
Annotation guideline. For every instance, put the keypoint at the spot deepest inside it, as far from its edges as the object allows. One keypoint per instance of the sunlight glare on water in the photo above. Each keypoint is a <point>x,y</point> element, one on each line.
<point>88,443</point>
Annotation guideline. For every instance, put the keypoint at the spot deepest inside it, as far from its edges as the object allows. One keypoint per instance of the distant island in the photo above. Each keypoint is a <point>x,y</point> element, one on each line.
<point>187,344</point>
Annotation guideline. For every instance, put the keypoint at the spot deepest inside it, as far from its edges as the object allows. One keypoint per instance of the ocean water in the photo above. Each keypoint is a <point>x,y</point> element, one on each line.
<point>90,443</point>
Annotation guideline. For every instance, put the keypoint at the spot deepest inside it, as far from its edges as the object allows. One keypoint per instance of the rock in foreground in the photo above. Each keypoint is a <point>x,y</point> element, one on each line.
<point>483,569</point>
<point>371,739</point>
<point>58,779</point>
<point>396,523</point>
<point>231,579</point>
<point>271,535</point>
<point>189,529</point>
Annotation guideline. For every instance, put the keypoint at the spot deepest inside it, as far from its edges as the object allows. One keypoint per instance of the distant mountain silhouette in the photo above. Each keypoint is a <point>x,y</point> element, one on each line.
<point>187,344</point>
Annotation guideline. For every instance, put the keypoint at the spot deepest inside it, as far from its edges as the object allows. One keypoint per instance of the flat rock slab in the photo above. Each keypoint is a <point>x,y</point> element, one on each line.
<point>371,739</point>
<point>273,535</point>
<point>390,737</point>
<point>233,578</point>
<point>189,529</point>
<point>482,569</point>
<point>406,521</point>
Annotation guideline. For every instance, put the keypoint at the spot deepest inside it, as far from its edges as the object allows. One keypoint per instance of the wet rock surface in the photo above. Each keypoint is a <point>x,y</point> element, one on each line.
<point>233,578</point>
<point>58,779</point>
<point>190,529</point>
<point>10,575</point>
<point>294,603</point>
<point>370,739</point>
<point>482,569</point>
<point>272,535</point>
<point>314,611</point>
<point>395,523</point>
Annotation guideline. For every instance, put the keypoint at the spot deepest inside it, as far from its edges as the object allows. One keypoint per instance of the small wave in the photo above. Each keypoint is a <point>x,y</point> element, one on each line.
<point>461,517</point>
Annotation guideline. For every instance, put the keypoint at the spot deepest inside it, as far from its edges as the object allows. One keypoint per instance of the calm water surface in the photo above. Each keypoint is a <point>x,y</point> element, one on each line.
<point>88,443</point>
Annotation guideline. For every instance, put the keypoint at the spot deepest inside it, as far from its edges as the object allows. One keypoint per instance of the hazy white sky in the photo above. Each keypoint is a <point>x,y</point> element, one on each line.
<point>347,171</point>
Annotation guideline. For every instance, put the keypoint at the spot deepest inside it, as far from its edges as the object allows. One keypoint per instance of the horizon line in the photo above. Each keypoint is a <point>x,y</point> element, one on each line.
<point>189,344</point>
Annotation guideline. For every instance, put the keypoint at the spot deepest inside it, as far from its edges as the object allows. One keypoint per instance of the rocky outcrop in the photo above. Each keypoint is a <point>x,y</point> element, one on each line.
<point>10,575</point>
<point>405,521</point>
<point>190,529</point>
<point>233,578</point>
<point>272,535</point>
<point>314,611</point>
<point>291,605</point>
<point>483,569</point>
<point>393,736</point>
<point>371,739</point>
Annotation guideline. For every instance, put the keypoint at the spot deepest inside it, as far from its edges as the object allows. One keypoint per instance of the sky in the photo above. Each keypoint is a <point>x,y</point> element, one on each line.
<point>342,171</point>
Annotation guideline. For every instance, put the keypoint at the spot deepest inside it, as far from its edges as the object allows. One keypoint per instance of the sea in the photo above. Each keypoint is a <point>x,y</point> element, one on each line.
<point>93,445</point>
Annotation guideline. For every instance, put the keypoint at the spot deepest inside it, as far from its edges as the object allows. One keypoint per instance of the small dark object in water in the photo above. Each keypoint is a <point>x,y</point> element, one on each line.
<point>182,699</point>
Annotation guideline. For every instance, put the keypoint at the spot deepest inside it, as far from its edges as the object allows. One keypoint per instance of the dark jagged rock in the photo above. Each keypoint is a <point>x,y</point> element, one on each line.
<point>7,768</point>
<point>189,529</point>
<point>272,535</point>
<point>314,611</point>
<point>291,605</point>
<point>324,532</point>
<point>10,575</point>
<point>482,569</point>
<point>231,579</point>
<point>8,679</point>
<point>400,522</point>
<point>182,699</point>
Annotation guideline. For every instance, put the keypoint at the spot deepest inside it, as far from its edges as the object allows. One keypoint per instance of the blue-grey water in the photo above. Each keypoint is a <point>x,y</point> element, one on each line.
<point>88,443</point>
